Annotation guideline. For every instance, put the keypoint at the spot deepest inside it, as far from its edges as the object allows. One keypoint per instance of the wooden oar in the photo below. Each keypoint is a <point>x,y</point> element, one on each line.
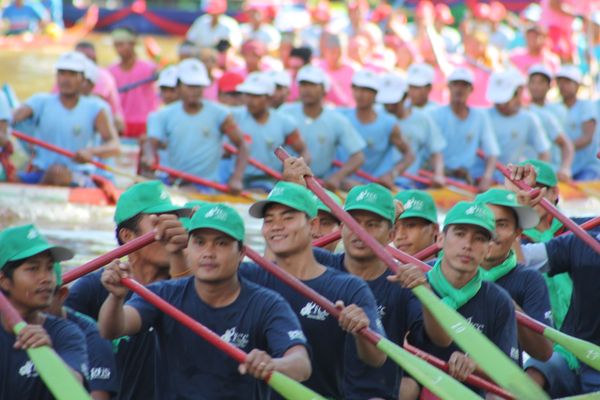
<point>70,154</point>
<point>551,208</point>
<point>435,380</point>
<point>285,386</point>
<point>489,357</point>
<point>472,379</point>
<point>452,182</point>
<point>365,175</point>
<point>57,376</point>
<point>130,86</point>
<point>428,252</point>
<point>329,238</point>
<point>254,162</point>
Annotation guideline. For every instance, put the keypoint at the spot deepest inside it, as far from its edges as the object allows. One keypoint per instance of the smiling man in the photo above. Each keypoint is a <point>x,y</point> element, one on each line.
<point>254,319</point>
<point>28,280</point>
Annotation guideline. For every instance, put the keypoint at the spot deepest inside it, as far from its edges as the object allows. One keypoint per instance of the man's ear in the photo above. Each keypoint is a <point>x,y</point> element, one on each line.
<point>440,239</point>
<point>5,282</point>
<point>62,293</point>
<point>126,235</point>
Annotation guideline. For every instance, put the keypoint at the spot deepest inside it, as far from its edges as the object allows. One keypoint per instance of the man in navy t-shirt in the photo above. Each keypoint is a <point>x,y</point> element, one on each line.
<point>288,214</point>
<point>525,286</point>
<point>28,281</point>
<point>134,216</point>
<point>254,319</point>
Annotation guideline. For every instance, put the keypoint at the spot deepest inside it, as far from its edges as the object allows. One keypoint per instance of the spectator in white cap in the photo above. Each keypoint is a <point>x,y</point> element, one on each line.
<point>283,81</point>
<point>561,158</point>
<point>379,130</point>
<point>580,122</point>
<point>417,127</point>
<point>517,130</point>
<point>420,77</point>
<point>192,131</point>
<point>323,129</point>
<point>267,128</point>
<point>68,120</point>
<point>466,129</point>
<point>167,85</point>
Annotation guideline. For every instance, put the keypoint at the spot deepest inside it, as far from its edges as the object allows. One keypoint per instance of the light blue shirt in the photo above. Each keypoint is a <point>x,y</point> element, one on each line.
<point>379,156</point>
<point>552,128</point>
<point>324,135</point>
<point>265,137</point>
<point>5,114</point>
<point>194,142</point>
<point>72,129</point>
<point>465,136</point>
<point>572,120</point>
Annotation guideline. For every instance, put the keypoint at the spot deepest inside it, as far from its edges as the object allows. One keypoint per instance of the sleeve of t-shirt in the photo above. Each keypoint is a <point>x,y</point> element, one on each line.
<point>489,143</point>
<point>4,108</point>
<point>282,327</point>
<point>552,125</point>
<point>156,127</point>
<point>436,141</point>
<point>537,135</point>
<point>363,297</point>
<point>87,295</point>
<point>221,113</point>
<point>536,303</point>
<point>588,112</point>
<point>69,344</point>
<point>289,124</point>
<point>559,251</point>
<point>252,272</point>
<point>348,137</point>
<point>149,314</point>
<point>36,103</point>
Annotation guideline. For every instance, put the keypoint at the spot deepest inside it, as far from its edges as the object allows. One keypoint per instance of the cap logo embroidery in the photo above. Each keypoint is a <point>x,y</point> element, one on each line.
<point>510,196</point>
<point>366,196</point>
<point>164,195</point>
<point>32,234</point>
<point>276,191</point>
<point>474,210</point>
<point>216,213</point>
<point>414,204</point>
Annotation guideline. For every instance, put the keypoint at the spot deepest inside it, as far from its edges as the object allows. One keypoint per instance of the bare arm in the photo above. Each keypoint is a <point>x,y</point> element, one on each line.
<point>353,319</point>
<point>22,113</point>
<point>588,128</point>
<point>567,152</point>
<point>408,156</point>
<point>294,139</point>
<point>561,8</point>
<point>230,128</point>
<point>544,156</point>
<point>437,162</point>
<point>3,133</point>
<point>352,165</point>
<point>295,363</point>
<point>110,139</point>
<point>536,345</point>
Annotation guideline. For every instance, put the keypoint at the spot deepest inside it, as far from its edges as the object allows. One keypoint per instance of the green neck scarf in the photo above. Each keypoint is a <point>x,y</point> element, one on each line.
<point>453,297</point>
<point>497,272</point>
<point>547,235</point>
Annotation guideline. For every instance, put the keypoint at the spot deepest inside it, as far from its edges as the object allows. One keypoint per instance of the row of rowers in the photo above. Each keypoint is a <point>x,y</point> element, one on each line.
<point>197,265</point>
<point>382,135</point>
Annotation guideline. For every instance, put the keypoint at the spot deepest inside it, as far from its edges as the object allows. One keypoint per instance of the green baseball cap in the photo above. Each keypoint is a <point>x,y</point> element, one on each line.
<point>289,194</point>
<point>544,171</point>
<point>528,218</point>
<point>148,198</point>
<point>417,204</point>
<point>372,197</point>
<point>190,205</point>
<point>322,207</point>
<point>20,242</point>
<point>220,217</point>
<point>472,213</point>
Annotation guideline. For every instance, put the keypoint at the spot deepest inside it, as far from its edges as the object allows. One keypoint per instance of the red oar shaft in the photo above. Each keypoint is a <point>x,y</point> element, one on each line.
<point>329,238</point>
<point>254,162</point>
<point>371,178</point>
<point>427,252</point>
<point>572,226</point>
<point>472,379</point>
<point>104,259</point>
<point>451,181</point>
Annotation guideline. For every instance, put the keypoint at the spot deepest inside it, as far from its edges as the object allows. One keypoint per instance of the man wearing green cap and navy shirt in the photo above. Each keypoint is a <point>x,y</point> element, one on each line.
<point>141,208</point>
<point>288,214</point>
<point>28,281</point>
<point>328,223</point>
<point>456,277</point>
<point>525,286</point>
<point>417,227</point>
<point>252,318</point>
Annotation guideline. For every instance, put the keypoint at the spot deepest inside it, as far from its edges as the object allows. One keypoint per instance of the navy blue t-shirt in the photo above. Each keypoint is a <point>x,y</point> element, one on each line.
<point>332,349</point>
<point>18,376</point>
<point>570,254</point>
<point>193,368</point>
<point>400,312</point>
<point>102,366</point>
<point>136,356</point>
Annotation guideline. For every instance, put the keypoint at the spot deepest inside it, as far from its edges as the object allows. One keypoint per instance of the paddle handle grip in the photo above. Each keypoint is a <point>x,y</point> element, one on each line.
<point>472,379</point>
<point>254,162</point>
<point>10,314</point>
<point>105,259</point>
<point>190,323</point>
<point>573,227</point>
<point>327,239</point>
<point>451,181</point>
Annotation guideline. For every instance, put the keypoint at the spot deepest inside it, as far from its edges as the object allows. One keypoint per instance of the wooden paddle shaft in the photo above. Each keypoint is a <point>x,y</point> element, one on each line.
<point>254,162</point>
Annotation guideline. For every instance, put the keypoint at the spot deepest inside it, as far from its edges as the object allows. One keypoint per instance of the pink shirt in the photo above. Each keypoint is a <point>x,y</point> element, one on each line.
<point>340,92</point>
<point>106,87</point>
<point>439,89</point>
<point>139,102</point>
<point>523,60</point>
<point>549,17</point>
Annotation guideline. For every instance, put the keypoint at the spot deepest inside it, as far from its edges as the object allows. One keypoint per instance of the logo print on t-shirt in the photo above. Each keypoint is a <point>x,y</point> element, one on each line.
<point>296,335</point>
<point>232,336</point>
<point>28,370</point>
<point>313,311</point>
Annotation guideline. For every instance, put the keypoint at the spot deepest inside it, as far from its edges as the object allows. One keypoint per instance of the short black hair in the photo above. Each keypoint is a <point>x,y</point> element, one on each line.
<point>304,53</point>
<point>84,44</point>
<point>541,74</point>
<point>8,270</point>
<point>132,224</point>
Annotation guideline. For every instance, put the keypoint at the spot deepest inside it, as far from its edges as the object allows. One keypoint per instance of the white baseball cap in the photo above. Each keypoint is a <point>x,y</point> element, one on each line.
<point>90,71</point>
<point>569,71</point>
<point>502,86</point>
<point>258,83</point>
<point>539,69</point>
<point>461,74</point>
<point>366,78</point>
<point>71,61</point>
<point>281,78</point>
<point>420,74</point>
<point>313,74</point>
<point>168,77</point>
<point>192,72</point>
<point>393,88</point>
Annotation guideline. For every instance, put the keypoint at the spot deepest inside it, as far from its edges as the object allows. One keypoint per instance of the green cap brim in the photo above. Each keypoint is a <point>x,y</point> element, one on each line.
<point>163,208</point>
<point>374,210</point>
<point>469,221</point>
<point>209,224</point>
<point>257,210</point>
<point>417,214</point>
<point>59,253</point>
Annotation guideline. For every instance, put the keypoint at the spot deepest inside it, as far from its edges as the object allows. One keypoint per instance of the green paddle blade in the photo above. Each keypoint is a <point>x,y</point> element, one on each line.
<point>587,352</point>
<point>588,396</point>
<point>438,382</point>
<point>59,379</point>
<point>487,356</point>
<point>290,389</point>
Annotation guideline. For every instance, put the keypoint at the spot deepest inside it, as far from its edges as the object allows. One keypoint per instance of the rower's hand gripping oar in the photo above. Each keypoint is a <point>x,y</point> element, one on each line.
<point>285,386</point>
<point>435,380</point>
<point>254,162</point>
<point>487,356</point>
<point>57,376</point>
